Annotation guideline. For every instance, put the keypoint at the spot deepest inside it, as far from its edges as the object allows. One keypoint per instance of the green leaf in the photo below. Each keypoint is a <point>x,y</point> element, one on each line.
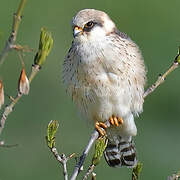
<point>100,146</point>
<point>136,171</point>
<point>45,46</point>
<point>51,132</point>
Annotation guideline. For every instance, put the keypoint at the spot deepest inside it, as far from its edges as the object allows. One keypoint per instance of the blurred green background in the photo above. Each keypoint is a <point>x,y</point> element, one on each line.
<point>153,25</point>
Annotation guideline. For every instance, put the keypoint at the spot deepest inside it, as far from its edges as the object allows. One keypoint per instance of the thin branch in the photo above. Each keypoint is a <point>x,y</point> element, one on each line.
<point>162,78</point>
<point>12,38</point>
<point>7,145</point>
<point>79,164</point>
<point>93,176</point>
<point>62,159</point>
<point>89,171</point>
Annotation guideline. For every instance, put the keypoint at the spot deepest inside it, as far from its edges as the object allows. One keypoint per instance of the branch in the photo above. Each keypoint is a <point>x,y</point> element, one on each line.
<point>12,38</point>
<point>90,171</point>
<point>45,45</point>
<point>7,145</point>
<point>79,165</point>
<point>62,159</point>
<point>162,78</point>
<point>100,146</point>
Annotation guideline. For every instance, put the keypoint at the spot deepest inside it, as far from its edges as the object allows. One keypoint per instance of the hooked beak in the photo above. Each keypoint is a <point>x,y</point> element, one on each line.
<point>77,31</point>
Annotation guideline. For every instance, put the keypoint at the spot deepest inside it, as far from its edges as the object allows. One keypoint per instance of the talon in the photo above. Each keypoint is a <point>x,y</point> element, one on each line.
<point>115,120</point>
<point>102,125</point>
<point>120,120</point>
<point>111,120</point>
<point>100,128</point>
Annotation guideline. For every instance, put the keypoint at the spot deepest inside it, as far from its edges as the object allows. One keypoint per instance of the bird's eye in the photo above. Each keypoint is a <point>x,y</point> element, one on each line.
<point>89,25</point>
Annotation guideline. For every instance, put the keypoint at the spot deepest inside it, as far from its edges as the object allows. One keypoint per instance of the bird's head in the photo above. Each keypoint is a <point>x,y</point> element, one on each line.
<point>91,24</point>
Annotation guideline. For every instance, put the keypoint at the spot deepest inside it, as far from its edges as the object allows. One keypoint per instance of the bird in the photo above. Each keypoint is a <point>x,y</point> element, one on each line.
<point>104,74</point>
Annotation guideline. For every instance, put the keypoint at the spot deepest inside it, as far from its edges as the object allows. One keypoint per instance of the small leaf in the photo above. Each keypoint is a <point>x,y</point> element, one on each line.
<point>45,46</point>
<point>100,146</point>
<point>1,94</point>
<point>51,131</point>
<point>136,171</point>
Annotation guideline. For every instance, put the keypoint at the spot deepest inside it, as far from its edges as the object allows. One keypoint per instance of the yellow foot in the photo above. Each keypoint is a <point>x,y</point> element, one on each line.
<point>100,127</point>
<point>116,121</point>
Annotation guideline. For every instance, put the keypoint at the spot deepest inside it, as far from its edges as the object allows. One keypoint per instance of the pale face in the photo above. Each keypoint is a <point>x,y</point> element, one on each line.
<point>91,25</point>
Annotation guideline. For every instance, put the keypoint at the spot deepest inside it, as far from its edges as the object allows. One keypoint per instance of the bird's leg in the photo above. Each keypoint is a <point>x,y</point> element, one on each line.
<point>100,127</point>
<point>116,121</point>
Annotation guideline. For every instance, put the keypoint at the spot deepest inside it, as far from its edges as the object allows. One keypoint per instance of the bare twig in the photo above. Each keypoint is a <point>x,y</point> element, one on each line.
<point>62,159</point>
<point>93,176</point>
<point>162,78</point>
<point>78,166</point>
<point>7,145</point>
<point>12,38</point>
<point>89,171</point>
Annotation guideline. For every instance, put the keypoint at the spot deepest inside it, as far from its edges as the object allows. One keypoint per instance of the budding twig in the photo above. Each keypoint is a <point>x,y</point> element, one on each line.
<point>12,38</point>
<point>50,139</point>
<point>46,43</point>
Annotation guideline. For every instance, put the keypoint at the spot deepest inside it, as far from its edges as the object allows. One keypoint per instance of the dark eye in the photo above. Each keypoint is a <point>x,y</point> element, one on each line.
<point>88,25</point>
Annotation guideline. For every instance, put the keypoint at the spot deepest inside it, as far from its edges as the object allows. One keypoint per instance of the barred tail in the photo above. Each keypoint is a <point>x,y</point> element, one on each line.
<point>121,154</point>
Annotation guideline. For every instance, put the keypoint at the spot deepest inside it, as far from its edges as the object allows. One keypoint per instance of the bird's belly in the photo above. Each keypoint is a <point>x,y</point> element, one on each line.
<point>104,101</point>
<point>111,103</point>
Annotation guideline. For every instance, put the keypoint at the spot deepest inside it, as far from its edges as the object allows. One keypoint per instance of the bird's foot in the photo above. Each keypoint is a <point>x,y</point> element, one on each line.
<point>115,121</point>
<point>100,127</point>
